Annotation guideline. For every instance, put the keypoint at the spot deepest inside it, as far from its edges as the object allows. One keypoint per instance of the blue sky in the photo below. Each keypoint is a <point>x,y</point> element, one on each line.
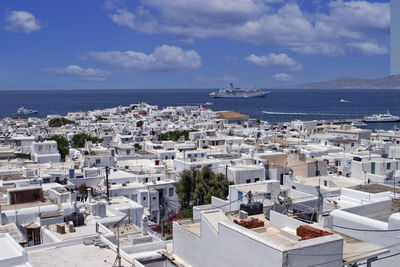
<point>190,43</point>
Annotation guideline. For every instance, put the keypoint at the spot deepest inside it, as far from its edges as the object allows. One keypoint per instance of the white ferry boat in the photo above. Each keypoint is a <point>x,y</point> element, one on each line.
<point>25,111</point>
<point>381,118</point>
<point>238,93</point>
<point>359,124</point>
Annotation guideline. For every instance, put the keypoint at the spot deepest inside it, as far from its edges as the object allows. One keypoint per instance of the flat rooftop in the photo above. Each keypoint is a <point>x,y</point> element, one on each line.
<point>8,249</point>
<point>357,250</point>
<point>33,204</point>
<point>80,231</point>
<point>77,255</point>
<point>376,188</point>
<point>333,182</point>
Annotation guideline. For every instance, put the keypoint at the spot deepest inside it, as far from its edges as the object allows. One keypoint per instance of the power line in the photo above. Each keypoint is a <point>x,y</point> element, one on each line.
<point>389,256</point>
<point>366,230</point>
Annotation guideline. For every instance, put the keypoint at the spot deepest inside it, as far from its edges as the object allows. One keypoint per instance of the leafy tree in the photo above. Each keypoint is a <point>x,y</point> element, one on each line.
<point>23,156</point>
<point>197,187</point>
<point>100,118</point>
<point>78,140</point>
<point>62,145</point>
<point>58,122</point>
<point>184,188</point>
<point>83,189</point>
<point>174,135</point>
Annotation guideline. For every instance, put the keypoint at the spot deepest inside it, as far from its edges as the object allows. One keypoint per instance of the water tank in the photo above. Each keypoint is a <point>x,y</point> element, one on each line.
<point>76,218</point>
<point>252,208</point>
<point>357,159</point>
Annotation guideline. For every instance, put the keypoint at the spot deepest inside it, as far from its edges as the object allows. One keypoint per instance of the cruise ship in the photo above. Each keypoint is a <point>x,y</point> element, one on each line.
<point>238,93</point>
<point>25,111</point>
<point>381,118</point>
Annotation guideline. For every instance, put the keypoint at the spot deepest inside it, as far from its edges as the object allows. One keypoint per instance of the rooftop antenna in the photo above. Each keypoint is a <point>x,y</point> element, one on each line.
<point>117,225</point>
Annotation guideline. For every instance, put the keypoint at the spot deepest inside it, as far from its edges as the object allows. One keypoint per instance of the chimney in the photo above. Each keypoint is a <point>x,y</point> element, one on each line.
<point>89,191</point>
<point>145,225</point>
<point>1,216</point>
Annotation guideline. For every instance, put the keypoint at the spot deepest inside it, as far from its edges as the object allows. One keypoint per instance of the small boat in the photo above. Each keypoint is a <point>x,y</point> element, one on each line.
<point>359,124</point>
<point>25,111</point>
<point>381,118</point>
<point>343,101</point>
<point>207,104</point>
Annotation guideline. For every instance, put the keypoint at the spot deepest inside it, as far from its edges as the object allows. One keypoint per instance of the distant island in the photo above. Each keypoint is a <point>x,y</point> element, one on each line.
<point>389,82</point>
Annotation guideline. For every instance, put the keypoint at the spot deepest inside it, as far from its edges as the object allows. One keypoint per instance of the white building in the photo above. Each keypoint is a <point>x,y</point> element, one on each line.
<point>217,240</point>
<point>44,152</point>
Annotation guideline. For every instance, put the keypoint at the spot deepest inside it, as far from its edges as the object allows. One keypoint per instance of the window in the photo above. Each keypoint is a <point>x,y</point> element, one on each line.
<point>154,198</point>
<point>352,144</point>
<point>144,198</point>
<point>98,161</point>
<point>325,183</point>
<point>158,178</point>
<point>171,192</point>
<point>388,166</point>
<point>248,181</point>
<point>240,195</point>
<point>128,152</point>
<point>256,179</point>
<point>267,195</point>
<point>146,180</point>
<point>373,167</point>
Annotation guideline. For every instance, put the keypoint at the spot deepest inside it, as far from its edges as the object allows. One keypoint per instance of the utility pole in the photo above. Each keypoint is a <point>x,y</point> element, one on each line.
<point>163,215</point>
<point>318,188</point>
<point>107,185</point>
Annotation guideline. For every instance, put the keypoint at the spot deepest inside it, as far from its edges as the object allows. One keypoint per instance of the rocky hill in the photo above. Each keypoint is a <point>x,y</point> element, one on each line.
<point>389,82</point>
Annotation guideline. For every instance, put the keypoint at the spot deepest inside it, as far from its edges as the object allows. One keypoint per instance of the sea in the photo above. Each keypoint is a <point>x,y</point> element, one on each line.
<point>280,105</point>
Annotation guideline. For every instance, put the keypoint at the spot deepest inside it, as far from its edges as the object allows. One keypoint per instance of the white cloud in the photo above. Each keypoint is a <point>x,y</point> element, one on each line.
<point>263,22</point>
<point>123,17</point>
<point>281,61</point>
<point>370,48</point>
<point>22,21</point>
<point>80,74</point>
<point>164,58</point>
<point>282,77</point>
<point>222,78</point>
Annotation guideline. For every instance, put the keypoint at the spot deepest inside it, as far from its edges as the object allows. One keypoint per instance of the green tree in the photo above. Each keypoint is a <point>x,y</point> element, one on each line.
<point>174,135</point>
<point>62,145</point>
<point>83,189</point>
<point>78,140</point>
<point>22,156</point>
<point>58,122</point>
<point>197,187</point>
<point>184,189</point>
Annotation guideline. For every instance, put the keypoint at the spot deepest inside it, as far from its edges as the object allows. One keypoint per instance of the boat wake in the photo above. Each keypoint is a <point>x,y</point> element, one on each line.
<point>302,113</point>
<point>284,113</point>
